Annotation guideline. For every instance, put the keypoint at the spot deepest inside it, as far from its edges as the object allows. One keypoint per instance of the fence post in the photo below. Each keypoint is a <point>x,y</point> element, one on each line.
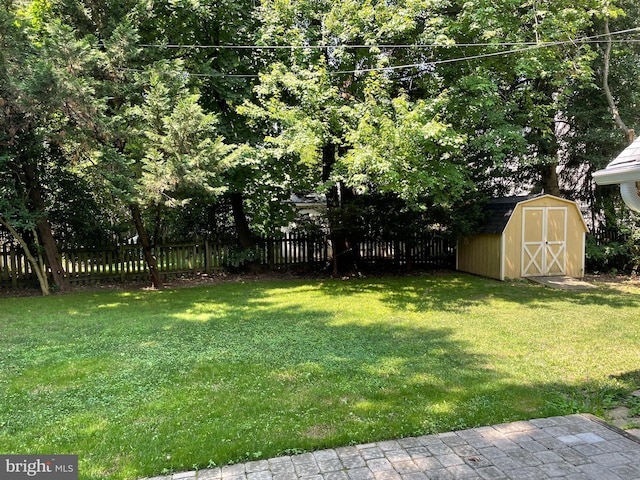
<point>120,264</point>
<point>14,266</point>
<point>207,257</point>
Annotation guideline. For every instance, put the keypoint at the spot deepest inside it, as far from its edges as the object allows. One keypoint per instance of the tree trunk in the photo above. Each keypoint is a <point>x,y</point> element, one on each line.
<point>38,266</point>
<point>152,262</point>
<point>245,239</point>
<point>549,174</point>
<point>43,227</point>
<point>343,259</point>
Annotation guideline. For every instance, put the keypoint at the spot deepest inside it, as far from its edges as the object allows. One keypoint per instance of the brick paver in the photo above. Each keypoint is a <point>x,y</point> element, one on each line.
<point>571,447</point>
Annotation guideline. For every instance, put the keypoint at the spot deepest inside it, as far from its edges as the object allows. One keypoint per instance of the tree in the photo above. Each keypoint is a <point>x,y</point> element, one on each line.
<point>161,152</point>
<point>47,104</point>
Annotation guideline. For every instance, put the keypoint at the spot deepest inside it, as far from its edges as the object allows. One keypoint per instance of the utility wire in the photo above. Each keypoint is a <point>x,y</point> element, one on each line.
<point>400,45</point>
<point>526,46</point>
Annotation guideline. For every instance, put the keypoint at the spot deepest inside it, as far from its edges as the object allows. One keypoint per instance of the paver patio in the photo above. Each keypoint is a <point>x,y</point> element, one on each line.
<point>574,447</point>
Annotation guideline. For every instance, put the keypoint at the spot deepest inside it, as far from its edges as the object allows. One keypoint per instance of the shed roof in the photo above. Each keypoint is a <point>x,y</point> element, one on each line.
<point>498,211</point>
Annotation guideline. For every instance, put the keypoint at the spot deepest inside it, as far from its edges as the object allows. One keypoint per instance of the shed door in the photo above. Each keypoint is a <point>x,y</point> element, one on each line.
<point>544,241</point>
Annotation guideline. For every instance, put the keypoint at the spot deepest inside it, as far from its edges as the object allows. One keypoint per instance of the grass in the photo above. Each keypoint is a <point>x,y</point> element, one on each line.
<point>147,382</point>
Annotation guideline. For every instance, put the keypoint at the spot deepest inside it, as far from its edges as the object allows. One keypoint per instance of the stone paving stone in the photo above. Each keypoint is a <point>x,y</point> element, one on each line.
<point>523,458</point>
<point>505,444</point>
<point>256,466</point>
<point>558,431</point>
<point>184,476</point>
<point>619,445</point>
<point>465,450</point>
<point>505,463</point>
<point>307,469</point>
<point>453,440</point>
<point>477,461</point>
<point>303,458</point>
<point>627,471</point>
<point>449,460</point>
<point>389,445</point>
<point>440,449</point>
<point>491,452</point>
<point>413,476</point>
<point>312,477</point>
<point>571,456</point>
<point>513,427</point>
<point>533,446</point>
<point>262,475</point>
<point>610,459</point>
<point>548,457</point>
<point>519,437</point>
<point>528,473</point>
<point>427,440</point>
<point>427,464</point>
<point>398,456</point>
<point>543,422</point>
<point>587,449</point>
<point>353,461</point>
<point>379,464</point>
<point>578,476</point>
<point>417,452</point>
<point>235,470</point>
<point>281,465</point>
<point>372,452</point>
<point>462,472</point>
<point>285,476</point>
<point>331,465</point>
<point>360,474</point>
<point>329,454</point>
<point>409,442</point>
<point>492,434</point>
<point>559,469</point>
<point>598,472</point>
<point>346,451</point>
<point>538,434</point>
<point>210,474</point>
<point>336,476</point>
<point>590,437</point>
<point>491,473</point>
<point>570,439</point>
<point>387,475</point>
<point>406,467</point>
<point>551,443</point>
<point>440,474</point>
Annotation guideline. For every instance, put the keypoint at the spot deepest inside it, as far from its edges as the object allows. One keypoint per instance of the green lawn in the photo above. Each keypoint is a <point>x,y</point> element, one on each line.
<point>145,382</point>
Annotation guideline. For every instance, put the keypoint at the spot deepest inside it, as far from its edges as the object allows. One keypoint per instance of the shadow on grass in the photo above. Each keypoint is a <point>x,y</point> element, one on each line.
<point>147,382</point>
<point>458,292</point>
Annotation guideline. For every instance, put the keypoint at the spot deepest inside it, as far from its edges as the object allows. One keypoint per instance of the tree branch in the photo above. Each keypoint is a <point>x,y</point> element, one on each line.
<point>628,132</point>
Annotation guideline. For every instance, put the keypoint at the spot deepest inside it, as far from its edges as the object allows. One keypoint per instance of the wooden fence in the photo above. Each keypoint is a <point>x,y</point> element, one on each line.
<point>89,264</point>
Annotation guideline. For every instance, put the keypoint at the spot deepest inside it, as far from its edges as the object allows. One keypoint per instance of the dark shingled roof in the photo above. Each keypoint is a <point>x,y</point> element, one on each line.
<point>498,211</point>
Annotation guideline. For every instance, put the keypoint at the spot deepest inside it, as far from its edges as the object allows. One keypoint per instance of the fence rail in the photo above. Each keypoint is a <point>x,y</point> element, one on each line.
<point>92,264</point>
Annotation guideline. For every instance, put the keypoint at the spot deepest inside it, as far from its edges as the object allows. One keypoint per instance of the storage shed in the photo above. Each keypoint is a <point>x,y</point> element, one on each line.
<point>526,237</point>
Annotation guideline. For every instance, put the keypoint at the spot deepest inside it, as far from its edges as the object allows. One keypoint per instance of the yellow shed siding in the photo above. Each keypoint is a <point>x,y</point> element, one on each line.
<point>480,255</point>
<point>501,256</point>
<point>575,230</point>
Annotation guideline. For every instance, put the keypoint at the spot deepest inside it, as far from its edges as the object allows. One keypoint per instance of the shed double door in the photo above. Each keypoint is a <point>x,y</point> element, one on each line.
<point>544,241</point>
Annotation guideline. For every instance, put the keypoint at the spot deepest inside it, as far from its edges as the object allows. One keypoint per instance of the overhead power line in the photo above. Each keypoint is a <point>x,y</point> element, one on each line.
<point>525,46</point>
<point>590,39</point>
